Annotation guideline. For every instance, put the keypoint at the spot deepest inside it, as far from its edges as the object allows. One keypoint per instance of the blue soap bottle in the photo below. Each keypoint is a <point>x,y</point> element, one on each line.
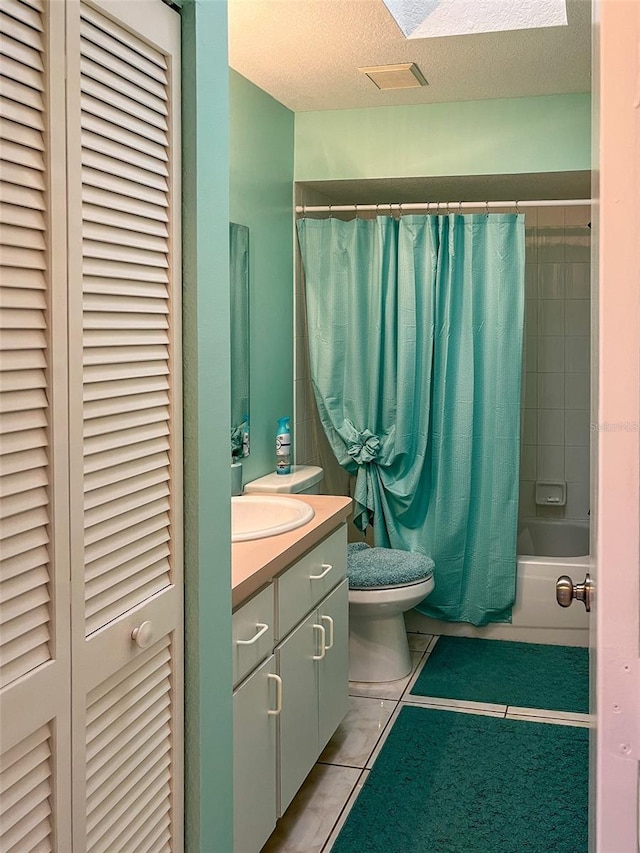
<point>283,447</point>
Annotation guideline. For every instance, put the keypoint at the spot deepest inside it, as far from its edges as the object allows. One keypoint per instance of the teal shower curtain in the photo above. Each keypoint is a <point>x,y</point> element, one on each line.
<point>415,343</point>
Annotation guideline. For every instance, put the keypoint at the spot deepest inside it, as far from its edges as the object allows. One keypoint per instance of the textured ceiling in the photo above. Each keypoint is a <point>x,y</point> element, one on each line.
<point>306,54</point>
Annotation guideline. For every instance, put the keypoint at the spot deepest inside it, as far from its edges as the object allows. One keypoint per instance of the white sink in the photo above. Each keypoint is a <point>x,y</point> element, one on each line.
<point>258,516</point>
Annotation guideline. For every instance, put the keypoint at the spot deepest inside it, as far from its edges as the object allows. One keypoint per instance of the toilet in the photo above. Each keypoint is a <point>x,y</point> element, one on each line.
<point>383,584</point>
<point>303,480</point>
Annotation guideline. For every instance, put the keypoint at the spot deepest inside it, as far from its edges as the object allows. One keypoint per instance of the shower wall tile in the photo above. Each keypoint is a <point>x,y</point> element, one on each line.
<point>577,317</point>
<point>551,394</point>
<point>577,215</point>
<point>528,461</point>
<point>302,358</point>
<point>578,281</point>
<point>531,244</point>
<point>550,463</point>
<point>551,354</point>
<point>578,244</point>
<point>527,505</point>
<point>551,281</point>
<point>530,278</point>
<point>530,426</point>
<point>576,427</point>
<point>550,244</point>
<point>551,317</point>
<point>300,386</point>
<point>576,390</point>
<point>531,317</point>
<point>557,512</point>
<point>551,427</point>
<point>555,415</point>
<point>576,464</point>
<point>577,500</point>
<point>530,353</point>
<point>551,217</point>
<point>577,354</point>
<point>531,390</point>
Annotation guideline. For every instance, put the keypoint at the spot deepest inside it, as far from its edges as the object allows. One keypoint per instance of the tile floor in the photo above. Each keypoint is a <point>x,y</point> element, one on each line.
<point>316,815</point>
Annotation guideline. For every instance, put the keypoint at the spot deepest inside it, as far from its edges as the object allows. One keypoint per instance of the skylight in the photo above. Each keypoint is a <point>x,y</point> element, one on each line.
<point>420,19</point>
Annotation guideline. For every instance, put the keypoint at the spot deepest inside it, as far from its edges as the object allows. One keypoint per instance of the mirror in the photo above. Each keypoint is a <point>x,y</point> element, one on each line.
<point>239,286</point>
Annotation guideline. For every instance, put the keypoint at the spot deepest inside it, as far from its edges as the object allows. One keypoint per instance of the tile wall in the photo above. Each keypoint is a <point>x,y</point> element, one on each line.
<point>555,414</point>
<point>305,443</point>
<point>555,393</point>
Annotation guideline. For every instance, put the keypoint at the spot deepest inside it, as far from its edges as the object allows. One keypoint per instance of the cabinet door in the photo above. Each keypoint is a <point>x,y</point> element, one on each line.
<point>333,669</point>
<point>254,759</point>
<point>303,585</point>
<point>298,722</point>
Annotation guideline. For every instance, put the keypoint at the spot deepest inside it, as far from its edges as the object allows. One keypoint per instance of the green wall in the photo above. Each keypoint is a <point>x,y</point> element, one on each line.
<point>261,196</point>
<point>510,136</point>
<point>207,546</point>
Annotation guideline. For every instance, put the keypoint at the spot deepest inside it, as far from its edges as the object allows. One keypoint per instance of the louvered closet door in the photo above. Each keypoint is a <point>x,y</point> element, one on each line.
<point>34,555</point>
<point>125,422</point>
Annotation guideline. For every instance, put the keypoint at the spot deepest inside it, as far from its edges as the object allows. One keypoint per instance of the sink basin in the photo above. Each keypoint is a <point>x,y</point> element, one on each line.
<point>258,516</point>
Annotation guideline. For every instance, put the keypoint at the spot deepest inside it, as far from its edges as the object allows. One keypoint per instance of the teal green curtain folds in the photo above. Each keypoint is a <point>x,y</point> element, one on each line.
<point>415,343</point>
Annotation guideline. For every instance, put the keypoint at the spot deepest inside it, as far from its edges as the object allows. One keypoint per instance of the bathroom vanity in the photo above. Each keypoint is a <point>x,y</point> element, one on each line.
<point>290,662</point>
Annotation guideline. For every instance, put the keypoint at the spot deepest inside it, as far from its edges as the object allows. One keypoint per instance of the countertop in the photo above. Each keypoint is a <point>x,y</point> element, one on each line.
<point>255,562</point>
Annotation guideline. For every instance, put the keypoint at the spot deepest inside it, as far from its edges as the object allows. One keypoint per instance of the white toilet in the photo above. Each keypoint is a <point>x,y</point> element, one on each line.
<point>303,480</point>
<point>378,645</point>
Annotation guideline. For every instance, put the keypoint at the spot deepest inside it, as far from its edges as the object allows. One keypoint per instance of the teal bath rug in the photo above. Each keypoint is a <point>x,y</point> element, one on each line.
<point>448,782</point>
<point>525,675</point>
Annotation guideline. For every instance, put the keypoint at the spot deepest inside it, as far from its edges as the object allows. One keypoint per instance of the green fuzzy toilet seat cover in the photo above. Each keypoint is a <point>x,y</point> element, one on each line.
<point>368,568</point>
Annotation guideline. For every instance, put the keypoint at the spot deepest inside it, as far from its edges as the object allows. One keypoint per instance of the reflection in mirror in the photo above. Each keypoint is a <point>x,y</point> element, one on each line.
<point>239,285</point>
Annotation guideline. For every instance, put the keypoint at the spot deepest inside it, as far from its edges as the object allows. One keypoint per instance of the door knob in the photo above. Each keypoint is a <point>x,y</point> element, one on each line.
<point>566,591</point>
<point>142,636</point>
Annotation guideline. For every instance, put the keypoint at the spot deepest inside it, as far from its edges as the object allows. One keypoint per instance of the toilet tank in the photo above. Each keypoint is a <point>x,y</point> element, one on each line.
<point>303,480</point>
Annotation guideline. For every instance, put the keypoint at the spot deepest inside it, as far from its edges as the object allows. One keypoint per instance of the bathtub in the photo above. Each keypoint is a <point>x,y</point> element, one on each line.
<point>547,548</point>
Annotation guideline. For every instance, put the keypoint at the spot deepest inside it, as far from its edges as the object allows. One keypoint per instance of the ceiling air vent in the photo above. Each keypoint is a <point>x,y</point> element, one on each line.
<point>404,76</point>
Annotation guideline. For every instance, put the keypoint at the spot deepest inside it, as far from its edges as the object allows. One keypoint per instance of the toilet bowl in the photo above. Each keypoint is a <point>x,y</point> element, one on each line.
<point>378,645</point>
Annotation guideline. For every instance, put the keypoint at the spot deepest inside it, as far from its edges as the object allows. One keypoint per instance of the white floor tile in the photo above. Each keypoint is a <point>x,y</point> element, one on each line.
<point>311,817</point>
<point>455,704</point>
<point>416,672</point>
<point>584,723</point>
<point>386,689</point>
<point>345,812</point>
<point>357,735</point>
<point>541,713</point>
<point>383,737</point>
<point>459,705</point>
<point>419,642</point>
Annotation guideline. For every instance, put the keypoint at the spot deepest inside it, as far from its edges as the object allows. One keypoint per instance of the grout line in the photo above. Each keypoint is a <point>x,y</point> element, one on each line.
<point>348,766</point>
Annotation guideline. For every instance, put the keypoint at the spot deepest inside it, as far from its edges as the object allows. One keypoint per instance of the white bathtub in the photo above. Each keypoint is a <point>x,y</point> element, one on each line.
<point>546,549</point>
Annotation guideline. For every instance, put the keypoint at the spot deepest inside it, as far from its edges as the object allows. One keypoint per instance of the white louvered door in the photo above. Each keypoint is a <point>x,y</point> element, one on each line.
<point>34,553</point>
<point>125,424</point>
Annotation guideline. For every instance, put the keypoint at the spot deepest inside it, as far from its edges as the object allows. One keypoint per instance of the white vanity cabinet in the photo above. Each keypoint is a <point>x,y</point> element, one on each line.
<point>255,706</point>
<point>291,684</point>
<point>314,669</point>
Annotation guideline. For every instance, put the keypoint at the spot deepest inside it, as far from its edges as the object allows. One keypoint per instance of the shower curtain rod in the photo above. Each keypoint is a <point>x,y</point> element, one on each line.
<point>435,206</point>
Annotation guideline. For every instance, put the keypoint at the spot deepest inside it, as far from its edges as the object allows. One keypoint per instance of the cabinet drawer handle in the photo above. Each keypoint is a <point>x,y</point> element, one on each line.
<point>278,682</point>
<point>327,568</point>
<point>330,621</point>
<point>323,646</point>
<point>256,637</point>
